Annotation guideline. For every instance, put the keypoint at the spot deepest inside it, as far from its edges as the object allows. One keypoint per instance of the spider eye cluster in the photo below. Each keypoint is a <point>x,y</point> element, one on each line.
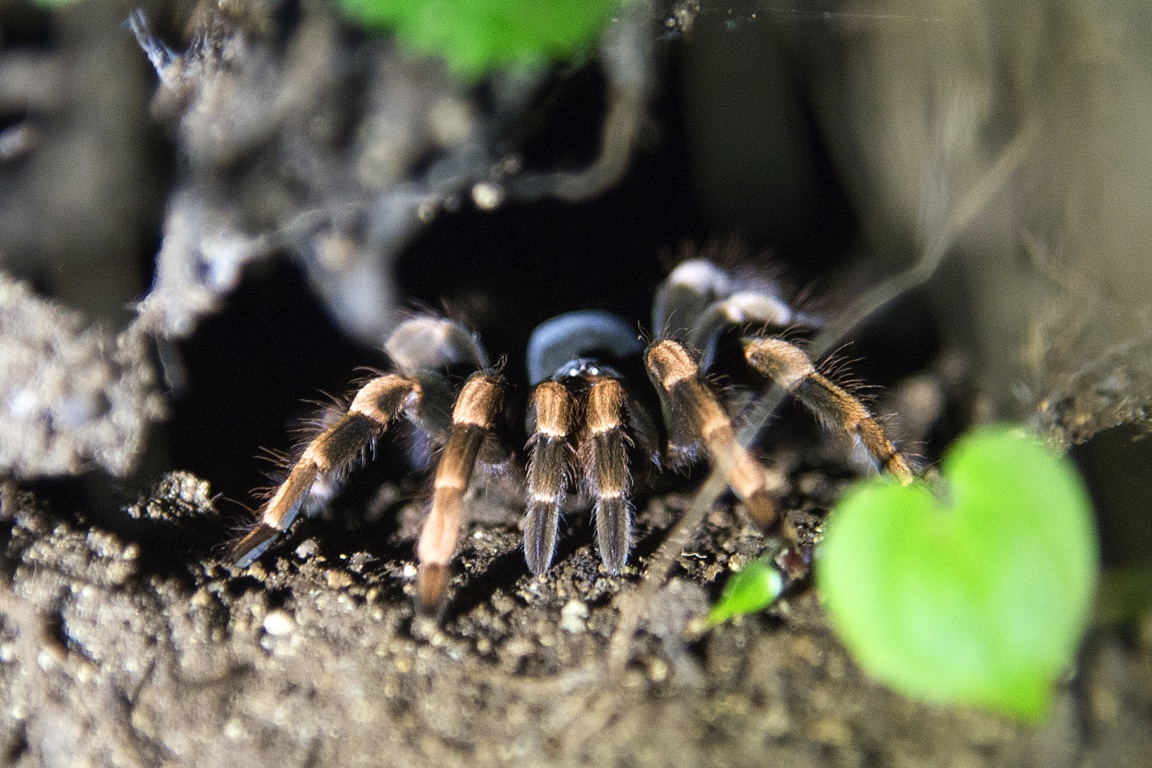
<point>592,419</point>
<point>582,367</point>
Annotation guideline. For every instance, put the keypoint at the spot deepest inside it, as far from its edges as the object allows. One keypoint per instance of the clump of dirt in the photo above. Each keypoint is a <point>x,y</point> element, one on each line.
<point>74,394</point>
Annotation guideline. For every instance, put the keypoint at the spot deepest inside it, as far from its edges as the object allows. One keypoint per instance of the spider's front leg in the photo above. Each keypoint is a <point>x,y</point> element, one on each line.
<point>791,368</point>
<point>579,396</point>
<point>474,421</point>
<point>604,454</point>
<point>603,443</point>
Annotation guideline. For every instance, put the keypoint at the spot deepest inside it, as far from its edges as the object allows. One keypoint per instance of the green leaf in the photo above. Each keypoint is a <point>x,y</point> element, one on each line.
<point>750,590</point>
<point>477,36</point>
<point>979,598</point>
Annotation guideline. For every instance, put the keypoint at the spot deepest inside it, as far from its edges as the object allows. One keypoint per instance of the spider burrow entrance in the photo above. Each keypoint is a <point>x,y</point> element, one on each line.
<point>590,418</point>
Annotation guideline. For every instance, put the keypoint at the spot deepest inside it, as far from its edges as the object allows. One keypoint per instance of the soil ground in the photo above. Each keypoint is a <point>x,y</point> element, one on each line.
<point>150,652</point>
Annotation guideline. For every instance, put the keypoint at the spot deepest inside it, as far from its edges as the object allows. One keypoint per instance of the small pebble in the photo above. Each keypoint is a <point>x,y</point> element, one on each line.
<point>572,617</point>
<point>339,579</point>
<point>279,623</point>
<point>308,549</point>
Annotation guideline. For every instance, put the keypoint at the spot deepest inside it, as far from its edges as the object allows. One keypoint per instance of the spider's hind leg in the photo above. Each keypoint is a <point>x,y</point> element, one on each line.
<point>832,405</point>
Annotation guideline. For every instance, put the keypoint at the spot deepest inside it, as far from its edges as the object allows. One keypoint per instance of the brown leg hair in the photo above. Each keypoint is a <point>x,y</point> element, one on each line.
<point>832,405</point>
<point>676,374</point>
<point>474,417</point>
<point>551,419</point>
<point>604,455</point>
<point>372,410</point>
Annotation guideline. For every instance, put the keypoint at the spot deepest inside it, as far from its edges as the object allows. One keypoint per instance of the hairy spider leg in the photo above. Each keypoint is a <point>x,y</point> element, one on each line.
<point>787,365</point>
<point>603,453</point>
<point>760,310</point>
<point>430,343</point>
<point>418,347</point>
<point>474,421</point>
<point>683,296</point>
<point>688,401</point>
<point>699,300</point>
<point>602,448</point>
<point>551,421</point>
<point>332,451</point>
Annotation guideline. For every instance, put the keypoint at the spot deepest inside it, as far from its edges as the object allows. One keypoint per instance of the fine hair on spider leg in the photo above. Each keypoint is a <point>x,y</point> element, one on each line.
<point>331,452</point>
<point>474,416</point>
<point>423,395</point>
<point>551,424</point>
<point>832,405</point>
<point>604,456</point>
<point>688,400</point>
<point>692,308</point>
<point>697,304</point>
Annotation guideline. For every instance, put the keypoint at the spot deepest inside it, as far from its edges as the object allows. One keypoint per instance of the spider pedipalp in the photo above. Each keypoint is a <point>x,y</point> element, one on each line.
<point>582,421</point>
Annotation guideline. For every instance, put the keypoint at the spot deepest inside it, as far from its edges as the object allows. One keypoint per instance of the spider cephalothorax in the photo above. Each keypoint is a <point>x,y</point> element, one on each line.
<point>588,416</point>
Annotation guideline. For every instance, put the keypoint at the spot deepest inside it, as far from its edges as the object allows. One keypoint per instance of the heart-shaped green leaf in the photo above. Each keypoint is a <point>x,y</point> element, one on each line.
<point>980,597</point>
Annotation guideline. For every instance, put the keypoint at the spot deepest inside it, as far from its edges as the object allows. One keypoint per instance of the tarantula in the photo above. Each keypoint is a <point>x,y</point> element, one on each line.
<point>586,419</point>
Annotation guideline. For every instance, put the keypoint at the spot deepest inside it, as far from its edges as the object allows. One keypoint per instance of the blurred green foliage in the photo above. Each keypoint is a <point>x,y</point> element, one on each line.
<point>477,36</point>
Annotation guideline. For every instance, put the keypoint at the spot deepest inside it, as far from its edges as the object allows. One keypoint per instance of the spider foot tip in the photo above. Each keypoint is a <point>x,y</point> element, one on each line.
<point>762,511</point>
<point>431,589</point>
<point>613,533</point>
<point>540,531</point>
<point>255,543</point>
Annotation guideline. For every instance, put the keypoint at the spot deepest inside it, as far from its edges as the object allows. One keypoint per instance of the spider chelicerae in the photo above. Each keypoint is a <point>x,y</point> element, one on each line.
<point>590,417</point>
